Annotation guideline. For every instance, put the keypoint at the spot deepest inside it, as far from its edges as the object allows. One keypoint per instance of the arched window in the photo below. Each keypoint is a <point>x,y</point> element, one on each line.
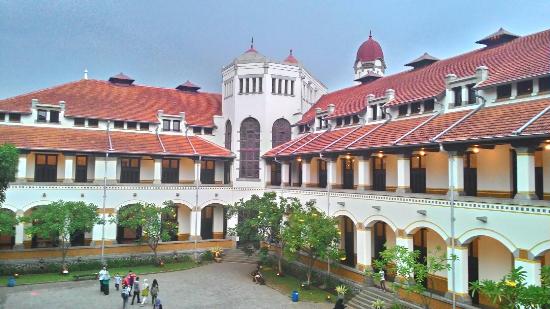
<point>250,149</point>
<point>228,132</point>
<point>280,133</point>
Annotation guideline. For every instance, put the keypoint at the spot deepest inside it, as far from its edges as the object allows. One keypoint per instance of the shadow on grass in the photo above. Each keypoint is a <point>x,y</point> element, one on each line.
<point>288,283</point>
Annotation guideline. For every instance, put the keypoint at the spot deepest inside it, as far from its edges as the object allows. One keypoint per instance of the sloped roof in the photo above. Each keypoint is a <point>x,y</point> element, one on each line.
<point>86,140</point>
<point>521,58</point>
<point>493,122</point>
<point>105,100</point>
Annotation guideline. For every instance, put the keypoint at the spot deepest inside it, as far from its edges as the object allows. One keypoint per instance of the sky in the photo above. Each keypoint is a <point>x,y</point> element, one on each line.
<point>164,43</point>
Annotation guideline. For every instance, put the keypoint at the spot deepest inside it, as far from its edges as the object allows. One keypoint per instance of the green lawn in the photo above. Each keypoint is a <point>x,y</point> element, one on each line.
<point>139,270</point>
<point>288,283</point>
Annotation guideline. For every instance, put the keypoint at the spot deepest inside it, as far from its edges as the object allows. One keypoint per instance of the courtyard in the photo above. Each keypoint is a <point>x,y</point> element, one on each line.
<point>225,285</point>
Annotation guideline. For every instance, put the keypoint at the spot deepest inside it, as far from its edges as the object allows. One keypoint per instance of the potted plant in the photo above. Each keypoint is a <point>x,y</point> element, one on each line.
<point>217,253</point>
<point>378,304</point>
<point>341,290</point>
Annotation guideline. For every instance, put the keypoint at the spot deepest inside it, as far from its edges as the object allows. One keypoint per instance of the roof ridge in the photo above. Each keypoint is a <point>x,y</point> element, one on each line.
<point>366,134</point>
<point>191,144</point>
<point>340,138</point>
<point>291,144</point>
<point>530,121</point>
<point>311,140</point>
<point>417,127</point>
<point>45,89</point>
<point>459,121</point>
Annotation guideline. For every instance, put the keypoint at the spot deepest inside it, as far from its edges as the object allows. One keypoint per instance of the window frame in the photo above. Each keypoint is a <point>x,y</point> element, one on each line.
<point>429,105</point>
<point>166,125</point>
<point>176,125</point>
<point>416,107</point>
<point>545,82</point>
<point>41,115</point>
<point>14,117</point>
<point>144,126</point>
<point>130,173</point>
<point>403,109</point>
<point>169,173</point>
<point>93,123</point>
<point>117,124</point>
<point>81,171</point>
<point>457,96</point>
<point>56,118</point>
<point>502,90</point>
<point>524,91</point>
<point>45,172</point>
<point>77,120</point>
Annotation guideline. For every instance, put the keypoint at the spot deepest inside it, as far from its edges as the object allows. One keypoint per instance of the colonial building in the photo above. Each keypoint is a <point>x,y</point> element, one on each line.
<point>389,156</point>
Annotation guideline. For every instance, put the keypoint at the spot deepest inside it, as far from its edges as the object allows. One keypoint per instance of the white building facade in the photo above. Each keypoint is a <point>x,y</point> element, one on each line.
<point>383,156</point>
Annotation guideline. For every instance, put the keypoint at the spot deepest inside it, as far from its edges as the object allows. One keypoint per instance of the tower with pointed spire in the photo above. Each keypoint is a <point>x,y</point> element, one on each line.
<point>369,63</point>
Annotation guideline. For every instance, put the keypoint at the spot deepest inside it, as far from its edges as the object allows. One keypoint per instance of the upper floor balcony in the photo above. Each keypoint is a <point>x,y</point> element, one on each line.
<point>60,167</point>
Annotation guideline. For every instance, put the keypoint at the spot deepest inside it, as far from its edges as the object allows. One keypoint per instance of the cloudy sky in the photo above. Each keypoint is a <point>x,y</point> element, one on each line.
<point>163,43</point>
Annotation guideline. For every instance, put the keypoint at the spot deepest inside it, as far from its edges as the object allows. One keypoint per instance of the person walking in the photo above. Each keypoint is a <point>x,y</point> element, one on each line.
<point>100,277</point>
<point>154,291</point>
<point>125,295</point>
<point>117,281</point>
<point>105,281</point>
<point>382,280</point>
<point>136,290</point>
<point>144,292</point>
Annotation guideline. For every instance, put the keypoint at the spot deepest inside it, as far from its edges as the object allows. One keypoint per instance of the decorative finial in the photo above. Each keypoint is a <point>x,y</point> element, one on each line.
<point>291,51</point>
<point>252,43</point>
<point>85,73</point>
<point>370,34</point>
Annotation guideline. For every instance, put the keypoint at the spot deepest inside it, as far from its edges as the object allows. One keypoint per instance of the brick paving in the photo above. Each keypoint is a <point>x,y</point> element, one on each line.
<point>225,285</point>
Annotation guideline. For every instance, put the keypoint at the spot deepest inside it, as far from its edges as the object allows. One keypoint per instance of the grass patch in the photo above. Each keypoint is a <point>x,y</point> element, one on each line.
<point>139,270</point>
<point>288,283</point>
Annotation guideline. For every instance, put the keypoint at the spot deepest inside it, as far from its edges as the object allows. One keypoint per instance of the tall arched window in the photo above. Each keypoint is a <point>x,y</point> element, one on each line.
<point>228,132</point>
<point>250,149</point>
<point>280,132</point>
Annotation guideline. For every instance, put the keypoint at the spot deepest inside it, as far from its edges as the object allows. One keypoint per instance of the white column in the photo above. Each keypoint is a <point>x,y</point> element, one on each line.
<point>157,172</point>
<point>532,270</point>
<point>19,232</point>
<point>184,220</point>
<point>197,166</point>
<point>465,93</point>
<point>99,170</point>
<point>404,240</point>
<point>364,247</point>
<point>456,172</point>
<point>217,226</point>
<point>460,273</point>
<point>195,224</point>
<point>525,177</point>
<point>332,180</point>
<point>22,168</point>
<point>306,173</point>
<point>364,173</point>
<point>110,229</point>
<point>403,173</point>
<point>69,169</point>
<point>285,170</point>
<point>535,87</point>
<point>514,91</point>
<point>267,173</point>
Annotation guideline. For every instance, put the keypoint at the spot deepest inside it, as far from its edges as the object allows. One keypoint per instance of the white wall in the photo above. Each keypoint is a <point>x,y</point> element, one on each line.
<point>391,171</point>
<point>437,170</point>
<point>494,169</point>
<point>495,261</point>
<point>546,170</point>
<point>146,171</point>
<point>433,242</point>
<point>187,170</point>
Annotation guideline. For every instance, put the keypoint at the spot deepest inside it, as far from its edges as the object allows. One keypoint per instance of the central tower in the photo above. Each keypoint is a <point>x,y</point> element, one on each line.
<point>261,99</point>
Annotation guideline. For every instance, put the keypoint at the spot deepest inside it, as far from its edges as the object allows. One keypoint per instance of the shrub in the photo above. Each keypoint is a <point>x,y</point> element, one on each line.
<point>207,256</point>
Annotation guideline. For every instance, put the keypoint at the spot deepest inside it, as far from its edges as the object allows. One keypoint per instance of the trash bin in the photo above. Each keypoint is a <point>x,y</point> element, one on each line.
<point>11,282</point>
<point>295,296</point>
<point>105,286</point>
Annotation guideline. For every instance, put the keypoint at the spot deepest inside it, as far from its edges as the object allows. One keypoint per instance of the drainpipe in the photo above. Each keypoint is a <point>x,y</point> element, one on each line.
<point>105,194</point>
<point>197,174</point>
<point>328,209</point>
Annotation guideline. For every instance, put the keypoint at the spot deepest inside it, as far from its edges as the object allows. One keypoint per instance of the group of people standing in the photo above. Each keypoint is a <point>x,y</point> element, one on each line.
<point>130,286</point>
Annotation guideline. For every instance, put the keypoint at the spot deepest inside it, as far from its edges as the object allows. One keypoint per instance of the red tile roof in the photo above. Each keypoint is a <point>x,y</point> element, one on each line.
<point>467,125</point>
<point>85,140</point>
<point>497,121</point>
<point>520,58</point>
<point>105,100</point>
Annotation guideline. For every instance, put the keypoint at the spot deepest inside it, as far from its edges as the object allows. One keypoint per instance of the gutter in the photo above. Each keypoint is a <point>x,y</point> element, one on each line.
<point>160,140</point>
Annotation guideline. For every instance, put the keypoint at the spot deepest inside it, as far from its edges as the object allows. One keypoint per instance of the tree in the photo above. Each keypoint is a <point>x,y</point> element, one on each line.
<point>61,219</point>
<point>7,221</point>
<point>9,158</point>
<point>263,219</point>
<point>512,292</point>
<point>412,270</point>
<point>313,233</point>
<point>148,217</point>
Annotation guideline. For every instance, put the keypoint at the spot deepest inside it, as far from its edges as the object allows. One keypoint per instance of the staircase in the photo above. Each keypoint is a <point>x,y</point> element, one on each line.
<point>368,295</point>
<point>238,256</point>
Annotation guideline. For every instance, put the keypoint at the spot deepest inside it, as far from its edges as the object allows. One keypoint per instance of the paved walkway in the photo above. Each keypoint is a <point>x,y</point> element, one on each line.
<point>224,285</point>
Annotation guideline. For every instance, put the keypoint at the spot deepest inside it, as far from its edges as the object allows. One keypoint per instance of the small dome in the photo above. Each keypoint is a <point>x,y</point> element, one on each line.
<point>290,59</point>
<point>188,87</point>
<point>370,50</point>
<point>121,79</point>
